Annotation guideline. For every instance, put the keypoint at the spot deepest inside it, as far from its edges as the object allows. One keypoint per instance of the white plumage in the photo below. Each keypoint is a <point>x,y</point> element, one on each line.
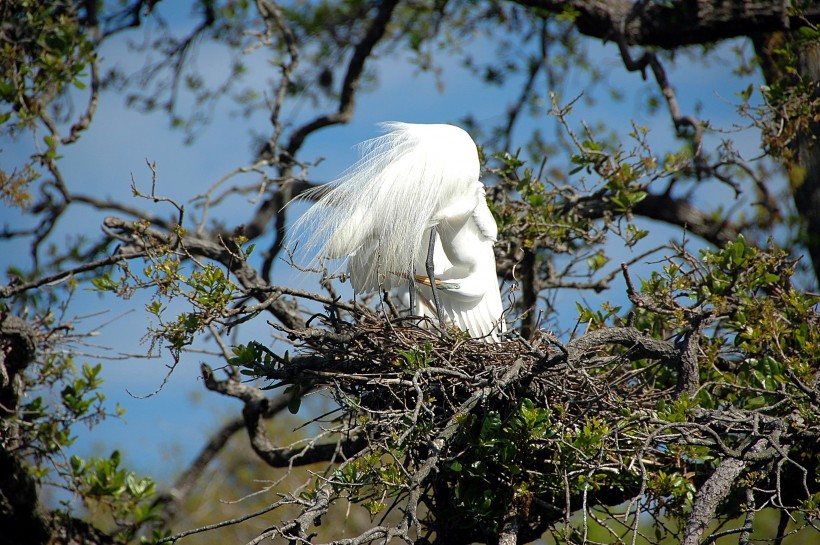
<point>379,214</point>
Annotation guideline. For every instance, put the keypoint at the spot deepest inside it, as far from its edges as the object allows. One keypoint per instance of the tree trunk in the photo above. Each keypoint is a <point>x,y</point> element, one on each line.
<point>21,516</point>
<point>803,162</point>
<point>807,186</point>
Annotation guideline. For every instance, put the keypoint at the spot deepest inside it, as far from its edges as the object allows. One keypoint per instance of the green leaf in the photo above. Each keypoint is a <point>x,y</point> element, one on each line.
<point>295,391</point>
<point>294,404</point>
<point>104,283</point>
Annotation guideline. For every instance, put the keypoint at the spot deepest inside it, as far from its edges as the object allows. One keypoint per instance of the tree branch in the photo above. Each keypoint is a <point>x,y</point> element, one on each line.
<point>274,207</point>
<point>84,122</point>
<point>15,289</point>
<point>509,530</point>
<point>678,22</point>
<point>257,408</point>
<point>714,490</point>
<point>640,345</point>
<point>244,272</point>
<point>688,376</point>
<point>21,515</point>
<point>651,60</point>
<point>350,84</point>
<point>682,212</point>
<point>171,499</point>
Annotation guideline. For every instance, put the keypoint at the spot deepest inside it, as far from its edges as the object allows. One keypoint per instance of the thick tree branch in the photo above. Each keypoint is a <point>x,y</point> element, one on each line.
<point>640,345</point>
<point>707,499</point>
<point>678,22</point>
<point>68,530</point>
<point>688,376</point>
<point>257,408</point>
<point>23,518</point>
<point>681,212</point>
<point>21,515</point>
<point>509,530</point>
<point>802,161</point>
<point>674,211</point>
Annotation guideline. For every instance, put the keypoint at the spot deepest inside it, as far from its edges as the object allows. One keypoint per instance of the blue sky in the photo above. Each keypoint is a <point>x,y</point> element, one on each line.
<point>160,434</point>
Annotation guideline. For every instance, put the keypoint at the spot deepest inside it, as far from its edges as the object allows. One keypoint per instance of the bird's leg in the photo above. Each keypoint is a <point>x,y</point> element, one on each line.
<point>412,293</point>
<point>432,275</point>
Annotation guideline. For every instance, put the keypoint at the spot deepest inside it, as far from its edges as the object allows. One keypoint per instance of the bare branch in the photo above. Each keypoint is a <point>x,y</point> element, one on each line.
<point>172,498</point>
<point>274,21</point>
<point>85,120</point>
<point>355,69</point>
<point>285,159</point>
<point>680,121</point>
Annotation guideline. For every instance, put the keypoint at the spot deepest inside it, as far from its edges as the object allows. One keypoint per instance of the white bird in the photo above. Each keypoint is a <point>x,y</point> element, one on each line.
<point>415,195</point>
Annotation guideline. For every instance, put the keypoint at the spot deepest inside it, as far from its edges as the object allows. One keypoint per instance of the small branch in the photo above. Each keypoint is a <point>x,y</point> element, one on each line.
<point>680,121</point>
<point>748,522</point>
<point>15,289</point>
<point>272,15</point>
<point>286,159</point>
<point>355,69</point>
<point>222,524</point>
<point>639,299</point>
<point>527,89</point>
<point>194,245</point>
<point>85,121</point>
<point>185,482</point>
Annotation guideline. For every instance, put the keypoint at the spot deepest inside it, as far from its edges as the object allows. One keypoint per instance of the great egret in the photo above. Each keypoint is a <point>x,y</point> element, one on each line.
<point>414,197</point>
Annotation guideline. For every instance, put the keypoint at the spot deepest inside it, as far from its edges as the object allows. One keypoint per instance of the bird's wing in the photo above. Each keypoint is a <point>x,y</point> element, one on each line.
<point>484,220</point>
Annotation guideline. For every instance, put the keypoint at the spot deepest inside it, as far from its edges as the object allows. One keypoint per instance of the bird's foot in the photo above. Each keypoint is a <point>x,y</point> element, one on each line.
<point>440,284</point>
